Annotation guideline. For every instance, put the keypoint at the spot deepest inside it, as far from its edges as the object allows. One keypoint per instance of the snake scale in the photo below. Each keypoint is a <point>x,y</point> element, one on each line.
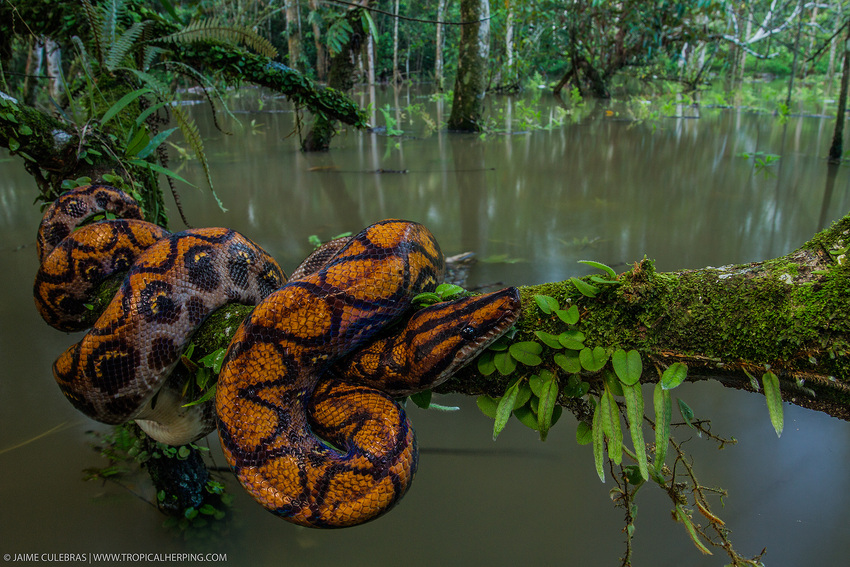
<point>305,402</point>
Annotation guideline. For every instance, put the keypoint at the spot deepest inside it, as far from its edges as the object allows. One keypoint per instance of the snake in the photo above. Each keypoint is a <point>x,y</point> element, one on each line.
<point>307,401</point>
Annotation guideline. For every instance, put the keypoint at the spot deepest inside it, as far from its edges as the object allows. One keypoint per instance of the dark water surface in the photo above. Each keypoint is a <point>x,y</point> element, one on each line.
<point>530,203</point>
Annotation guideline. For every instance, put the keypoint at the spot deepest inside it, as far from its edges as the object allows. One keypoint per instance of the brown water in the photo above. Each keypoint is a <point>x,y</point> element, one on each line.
<point>531,204</point>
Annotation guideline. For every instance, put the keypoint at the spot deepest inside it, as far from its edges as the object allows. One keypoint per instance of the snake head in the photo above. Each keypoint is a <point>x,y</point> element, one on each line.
<point>434,343</point>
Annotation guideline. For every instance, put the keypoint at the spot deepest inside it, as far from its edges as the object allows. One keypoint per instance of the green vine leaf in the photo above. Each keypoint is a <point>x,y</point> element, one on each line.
<point>683,517</point>
<point>527,352</point>
<point>774,401</point>
<point>593,360</point>
<point>573,340</point>
<point>569,362</point>
<point>611,426</point>
<point>569,316</point>
<point>546,303</point>
<point>634,411</point>
<point>505,408</point>
<point>485,363</point>
<point>548,403</point>
<point>600,266</point>
<point>663,406</point>
<point>687,414</point>
<point>548,339</point>
<point>598,439</point>
<point>584,433</point>
<point>627,366</point>
<point>487,405</point>
<point>674,375</point>
<point>504,362</point>
<point>585,288</point>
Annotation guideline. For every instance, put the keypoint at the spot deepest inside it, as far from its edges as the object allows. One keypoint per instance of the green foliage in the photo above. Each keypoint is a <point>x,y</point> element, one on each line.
<point>215,30</point>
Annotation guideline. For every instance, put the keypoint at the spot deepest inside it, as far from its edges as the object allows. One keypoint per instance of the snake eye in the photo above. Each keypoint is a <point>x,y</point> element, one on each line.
<point>469,332</point>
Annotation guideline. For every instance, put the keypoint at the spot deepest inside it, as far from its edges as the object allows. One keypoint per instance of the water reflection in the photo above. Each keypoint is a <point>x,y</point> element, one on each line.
<point>530,203</point>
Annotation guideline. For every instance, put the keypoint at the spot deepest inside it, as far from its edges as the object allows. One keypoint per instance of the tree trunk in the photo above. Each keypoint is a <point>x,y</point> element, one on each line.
<point>837,147</point>
<point>53,54</point>
<point>438,64</point>
<point>510,76</point>
<point>321,56</point>
<point>396,73</point>
<point>473,59</point>
<point>341,74</point>
<point>293,38</point>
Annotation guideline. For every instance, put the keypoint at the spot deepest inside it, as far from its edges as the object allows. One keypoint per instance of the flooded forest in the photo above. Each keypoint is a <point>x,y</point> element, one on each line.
<point>476,282</point>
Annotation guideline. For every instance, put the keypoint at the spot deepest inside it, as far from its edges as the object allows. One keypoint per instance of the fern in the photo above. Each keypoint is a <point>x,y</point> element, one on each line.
<point>95,25</point>
<point>337,36</point>
<point>215,30</point>
<point>112,10</point>
<point>119,50</point>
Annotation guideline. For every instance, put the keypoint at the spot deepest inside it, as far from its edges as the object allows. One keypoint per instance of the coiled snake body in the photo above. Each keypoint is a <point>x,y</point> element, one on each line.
<point>304,401</point>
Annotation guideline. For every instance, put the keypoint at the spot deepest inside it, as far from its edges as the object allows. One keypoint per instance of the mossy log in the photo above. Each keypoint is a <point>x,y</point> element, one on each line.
<point>731,324</point>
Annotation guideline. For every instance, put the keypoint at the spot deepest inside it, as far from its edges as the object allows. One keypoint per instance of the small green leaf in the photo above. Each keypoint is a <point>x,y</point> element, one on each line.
<point>424,298</point>
<point>627,365</point>
<point>548,339</point>
<point>585,288</point>
<point>505,408</point>
<point>123,102</point>
<point>524,394</point>
<point>584,433</point>
<point>546,303</point>
<point>575,387</point>
<point>548,402</point>
<point>527,352</point>
<point>593,359</point>
<point>600,266</point>
<point>611,426</point>
<point>570,316</point>
<point>674,375</point>
<point>569,362</point>
<point>526,416</point>
<point>487,405</point>
<point>214,360</point>
<point>504,362</point>
<point>422,399</point>
<point>774,401</point>
<point>573,340</point>
<point>598,438</point>
<point>663,413</point>
<point>154,143</point>
<point>485,363</point>
<point>689,527</point>
<point>208,395</point>
<point>687,412</point>
<point>447,290</point>
<point>634,411</point>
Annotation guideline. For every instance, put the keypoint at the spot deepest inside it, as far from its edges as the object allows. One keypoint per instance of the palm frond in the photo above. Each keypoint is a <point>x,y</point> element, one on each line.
<point>217,31</point>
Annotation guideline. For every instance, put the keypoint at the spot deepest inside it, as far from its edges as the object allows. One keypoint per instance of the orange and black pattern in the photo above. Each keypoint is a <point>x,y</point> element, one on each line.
<point>433,344</point>
<point>173,283</point>
<point>305,399</point>
<point>276,358</point>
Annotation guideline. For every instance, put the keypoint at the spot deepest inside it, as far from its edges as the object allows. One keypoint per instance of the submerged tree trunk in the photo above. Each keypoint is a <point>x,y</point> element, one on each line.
<point>837,146</point>
<point>321,57</point>
<point>293,38</point>
<point>473,58</point>
<point>438,63</point>
<point>341,75</point>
